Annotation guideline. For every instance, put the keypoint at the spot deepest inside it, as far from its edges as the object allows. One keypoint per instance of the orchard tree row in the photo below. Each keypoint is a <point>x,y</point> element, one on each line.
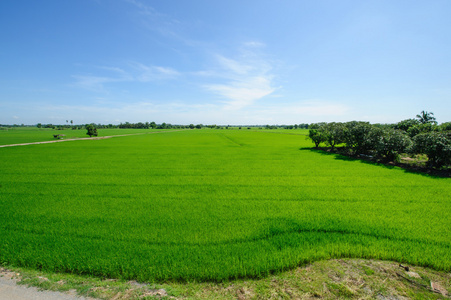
<point>413,136</point>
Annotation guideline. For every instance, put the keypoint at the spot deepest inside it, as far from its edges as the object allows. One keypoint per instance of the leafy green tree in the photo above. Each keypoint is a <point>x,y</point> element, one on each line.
<point>426,117</point>
<point>390,143</point>
<point>334,133</point>
<point>436,145</point>
<point>92,130</point>
<point>422,128</point>
<point>316,134</point>
<point>445,126</point>
<point>406,124</point>
<point>357,136</point>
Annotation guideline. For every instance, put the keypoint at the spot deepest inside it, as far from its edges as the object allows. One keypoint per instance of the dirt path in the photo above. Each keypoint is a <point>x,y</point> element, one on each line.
<point>10,290</point>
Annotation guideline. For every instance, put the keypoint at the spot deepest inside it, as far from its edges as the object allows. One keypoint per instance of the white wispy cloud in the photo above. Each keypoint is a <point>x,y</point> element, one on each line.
<point>244,92</point>
<point>233,65</point>
<point>152,73</point>
<point>243,80</point>
<point>136,72</point>
<point>254,44</point>
<point>156,21</point>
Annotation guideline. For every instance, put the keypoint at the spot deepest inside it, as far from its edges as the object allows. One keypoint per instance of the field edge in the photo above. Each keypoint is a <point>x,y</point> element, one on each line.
<point>326,279</point>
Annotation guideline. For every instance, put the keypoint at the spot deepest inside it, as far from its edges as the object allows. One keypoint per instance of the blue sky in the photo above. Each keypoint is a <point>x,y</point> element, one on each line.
<point>223,62</point>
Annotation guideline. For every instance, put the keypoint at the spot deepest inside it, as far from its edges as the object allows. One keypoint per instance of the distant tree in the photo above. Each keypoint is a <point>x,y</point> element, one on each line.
<point>92,130</point>
<point>406,124</point>
<point>426,117</point>
<point>71,122</point>
<point>445,126</point>
<point>422,128</point>
<point>199,126</point>
<point>39,125</point>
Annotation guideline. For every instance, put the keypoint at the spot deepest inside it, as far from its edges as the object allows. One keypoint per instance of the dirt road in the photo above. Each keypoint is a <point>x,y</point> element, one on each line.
<point>10,290</point>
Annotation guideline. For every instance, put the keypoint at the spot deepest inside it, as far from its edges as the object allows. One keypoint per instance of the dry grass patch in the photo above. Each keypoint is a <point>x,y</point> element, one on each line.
<point>331,279</point>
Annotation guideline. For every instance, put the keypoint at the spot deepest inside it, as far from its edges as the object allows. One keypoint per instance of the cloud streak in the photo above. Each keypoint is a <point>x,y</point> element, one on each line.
<point>244,80</point>
<point>136,72</point>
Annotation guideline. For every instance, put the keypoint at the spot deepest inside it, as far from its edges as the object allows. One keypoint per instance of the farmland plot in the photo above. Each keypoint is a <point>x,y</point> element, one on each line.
<point>211,205</point>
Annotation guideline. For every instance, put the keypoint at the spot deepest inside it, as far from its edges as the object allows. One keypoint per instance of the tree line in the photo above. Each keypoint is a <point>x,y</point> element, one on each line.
<point>421,135</point>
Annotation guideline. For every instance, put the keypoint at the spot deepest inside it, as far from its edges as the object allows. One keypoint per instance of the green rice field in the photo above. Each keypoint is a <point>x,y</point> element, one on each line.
<point>17,135</point>
<point>211,205</point>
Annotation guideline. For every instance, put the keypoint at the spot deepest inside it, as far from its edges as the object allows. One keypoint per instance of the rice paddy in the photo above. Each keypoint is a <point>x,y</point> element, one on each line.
<point>211,205</point>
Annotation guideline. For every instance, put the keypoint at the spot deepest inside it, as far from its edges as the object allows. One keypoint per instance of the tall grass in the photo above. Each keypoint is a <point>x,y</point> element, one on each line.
<point>211,205</point>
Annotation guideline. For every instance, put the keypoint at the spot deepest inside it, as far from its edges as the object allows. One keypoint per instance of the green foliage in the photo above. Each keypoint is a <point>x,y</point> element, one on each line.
<point>389,143</point>
<point>426,117</point>
<point>335,133</point>
<point>91,130</point>
<point>445,126</point>
<point>316,134</point>
<point>422,128</point>
<point>406,124</point>
<point>357,137</point>
<point>233,203</point>
<point>436,145</point>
